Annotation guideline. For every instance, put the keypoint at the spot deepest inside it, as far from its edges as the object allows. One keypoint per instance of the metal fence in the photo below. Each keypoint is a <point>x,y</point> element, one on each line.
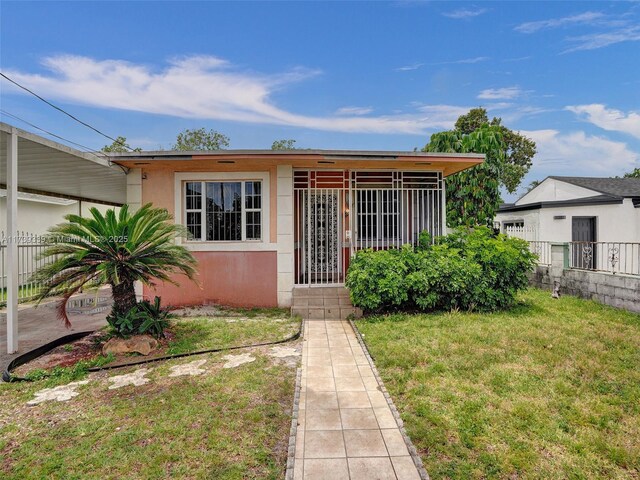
<point>611,257</point>
<point>542,250</point>
<point>30,246</point>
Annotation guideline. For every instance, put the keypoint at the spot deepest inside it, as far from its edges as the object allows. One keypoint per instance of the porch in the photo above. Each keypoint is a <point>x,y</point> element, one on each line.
<point>338,212</point>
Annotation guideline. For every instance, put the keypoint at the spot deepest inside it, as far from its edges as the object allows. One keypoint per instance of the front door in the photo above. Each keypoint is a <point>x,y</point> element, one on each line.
<point>583,234</point>
<point>324,237</point>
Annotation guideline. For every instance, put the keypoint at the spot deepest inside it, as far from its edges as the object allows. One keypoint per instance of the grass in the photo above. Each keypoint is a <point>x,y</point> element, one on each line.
<point>224,424</point>
<point>550,389</point>
<point>247,327</point>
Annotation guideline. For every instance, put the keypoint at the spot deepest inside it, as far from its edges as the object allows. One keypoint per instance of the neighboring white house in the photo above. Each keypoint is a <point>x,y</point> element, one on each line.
<point>599,219</point>
<point>36,213</point>
<point>586,209</point>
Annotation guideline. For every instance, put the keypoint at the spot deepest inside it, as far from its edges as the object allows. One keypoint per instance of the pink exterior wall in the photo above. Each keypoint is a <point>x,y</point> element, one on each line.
<point>241,279</point>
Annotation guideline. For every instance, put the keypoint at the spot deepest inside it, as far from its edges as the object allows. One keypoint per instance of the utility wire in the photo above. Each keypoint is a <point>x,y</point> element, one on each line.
<point>87,149</point>
<point>95,153</point>
<point>65,112</point>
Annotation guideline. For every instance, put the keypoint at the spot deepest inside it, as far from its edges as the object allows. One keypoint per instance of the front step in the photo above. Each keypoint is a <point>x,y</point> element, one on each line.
<point>323,303</point>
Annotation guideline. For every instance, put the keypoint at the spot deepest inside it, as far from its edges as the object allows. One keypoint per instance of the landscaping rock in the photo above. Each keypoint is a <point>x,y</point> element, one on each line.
<point>237,360</point>
<point>60,394</point>
<point>136,378</point>
<point>191,368</point>
<point>142,344</point>
<point>282,352</point>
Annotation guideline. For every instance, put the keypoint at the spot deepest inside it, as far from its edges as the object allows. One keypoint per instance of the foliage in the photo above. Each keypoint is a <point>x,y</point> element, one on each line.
<point>519,150</point>
<point>284,144</point>
<point>468,269</point>
<point>635,173</point>
<point>444,280</point>
<point>200,140</point>
<point>115,249</point>
<point>533,184</point>
<point>119,146</point>
<point>377,280</point>
<point>473,195</point>
<point>143,317</point>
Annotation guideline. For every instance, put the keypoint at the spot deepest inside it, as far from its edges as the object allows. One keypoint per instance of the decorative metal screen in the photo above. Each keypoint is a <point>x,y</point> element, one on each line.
<point>339,212</point>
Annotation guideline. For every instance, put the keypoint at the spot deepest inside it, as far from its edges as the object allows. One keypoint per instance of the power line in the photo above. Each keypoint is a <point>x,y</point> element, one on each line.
<point>65,112</point>
<point>95,153</point>
<point>87,149</point>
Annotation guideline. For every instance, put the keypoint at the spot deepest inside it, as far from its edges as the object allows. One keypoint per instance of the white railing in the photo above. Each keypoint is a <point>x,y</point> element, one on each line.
<point>611,257</point>
<point>30,246</point>
<point>526,232</point>
<point>542,250</point>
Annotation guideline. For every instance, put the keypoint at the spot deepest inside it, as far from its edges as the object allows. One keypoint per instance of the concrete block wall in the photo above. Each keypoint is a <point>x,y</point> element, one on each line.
<point>620,291</point>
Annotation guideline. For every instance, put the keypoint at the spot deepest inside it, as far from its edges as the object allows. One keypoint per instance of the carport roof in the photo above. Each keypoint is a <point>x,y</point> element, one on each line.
<point>50,168</point>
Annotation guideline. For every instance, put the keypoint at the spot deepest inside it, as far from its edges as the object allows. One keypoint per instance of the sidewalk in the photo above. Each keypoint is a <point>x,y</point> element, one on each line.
<point>346,429</point>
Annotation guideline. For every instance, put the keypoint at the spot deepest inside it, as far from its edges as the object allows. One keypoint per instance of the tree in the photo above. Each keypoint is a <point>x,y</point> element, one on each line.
<point>635,173</point>
<point>200,139</point>
<point>119,146</point>
<point>473,195</point>
<point>519,150</point>
<point>115,249</point>
<point>533,185</point>
<point>287,144</point>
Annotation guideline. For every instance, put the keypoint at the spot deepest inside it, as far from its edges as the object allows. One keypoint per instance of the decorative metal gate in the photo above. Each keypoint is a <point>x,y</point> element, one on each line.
<point>339,212</point>
<point>321,242</point>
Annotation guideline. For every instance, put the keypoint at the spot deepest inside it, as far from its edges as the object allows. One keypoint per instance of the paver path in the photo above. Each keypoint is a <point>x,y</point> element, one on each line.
<point>346,429</point>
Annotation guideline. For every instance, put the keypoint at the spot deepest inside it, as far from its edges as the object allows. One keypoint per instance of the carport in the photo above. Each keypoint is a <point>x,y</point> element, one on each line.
<point>30,163</point>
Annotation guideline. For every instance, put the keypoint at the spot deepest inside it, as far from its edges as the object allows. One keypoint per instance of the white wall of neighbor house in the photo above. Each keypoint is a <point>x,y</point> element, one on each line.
<point>614,222</point>
<point>285,234</point>
<point>36,217</point>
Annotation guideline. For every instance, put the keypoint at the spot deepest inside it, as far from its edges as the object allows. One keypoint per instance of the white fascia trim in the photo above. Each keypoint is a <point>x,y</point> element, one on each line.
<point>247,246</point>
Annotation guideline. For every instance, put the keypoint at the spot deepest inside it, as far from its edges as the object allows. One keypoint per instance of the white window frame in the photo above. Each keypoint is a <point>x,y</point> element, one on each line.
<point>181,178</point>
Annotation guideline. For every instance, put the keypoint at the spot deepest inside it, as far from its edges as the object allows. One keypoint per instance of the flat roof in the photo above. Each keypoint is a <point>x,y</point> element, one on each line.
<point>343,154</point>
<point>49,168</point>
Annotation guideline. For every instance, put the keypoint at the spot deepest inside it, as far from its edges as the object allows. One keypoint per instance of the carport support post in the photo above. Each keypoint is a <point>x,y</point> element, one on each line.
<point>12,242</point>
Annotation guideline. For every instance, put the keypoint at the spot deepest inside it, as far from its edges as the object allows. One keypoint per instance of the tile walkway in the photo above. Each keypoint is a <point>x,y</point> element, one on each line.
<point>345,427</point>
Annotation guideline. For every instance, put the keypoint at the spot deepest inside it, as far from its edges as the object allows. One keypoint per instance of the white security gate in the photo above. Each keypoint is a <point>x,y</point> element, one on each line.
<point>337,213</point>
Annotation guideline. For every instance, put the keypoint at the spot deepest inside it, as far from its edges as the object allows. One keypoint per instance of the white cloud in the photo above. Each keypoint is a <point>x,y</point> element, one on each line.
<point>354,110</point>
<point>568,153</point>
<point>208,87</point>
<point>464,13</point>
<point>408,68</point>
<point>508,93</point>
<point>608,118</point>
<point>586,18</point>
<point>594,41</point>
<point>463,61</point>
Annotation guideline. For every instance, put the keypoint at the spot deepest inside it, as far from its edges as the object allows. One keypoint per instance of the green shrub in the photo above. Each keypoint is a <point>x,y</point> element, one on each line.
<point>468,270</point>
<point>143,317</point>
<point>444,280</point>
<point>377,280</point>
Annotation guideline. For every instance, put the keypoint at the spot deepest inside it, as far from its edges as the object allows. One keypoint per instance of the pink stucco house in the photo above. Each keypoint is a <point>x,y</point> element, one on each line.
<point>264,222</point>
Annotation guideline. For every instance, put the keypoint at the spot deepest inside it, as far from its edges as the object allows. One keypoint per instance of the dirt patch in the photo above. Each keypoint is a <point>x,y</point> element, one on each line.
<point>87,349</point>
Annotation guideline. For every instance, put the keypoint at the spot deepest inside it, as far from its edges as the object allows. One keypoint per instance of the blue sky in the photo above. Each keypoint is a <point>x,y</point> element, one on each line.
<point>333,75</point>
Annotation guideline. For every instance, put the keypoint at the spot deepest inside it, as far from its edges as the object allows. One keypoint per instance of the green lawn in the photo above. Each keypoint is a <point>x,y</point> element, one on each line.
<point>224,424</point>
<point>550,389</point>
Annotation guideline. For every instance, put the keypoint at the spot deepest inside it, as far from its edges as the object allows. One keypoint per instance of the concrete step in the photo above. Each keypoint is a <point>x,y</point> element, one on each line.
<point>326,313</point>
<point>320,291</point>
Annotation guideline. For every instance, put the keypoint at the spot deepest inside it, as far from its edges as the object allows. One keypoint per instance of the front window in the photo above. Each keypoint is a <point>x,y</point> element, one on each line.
<point>224,211</point>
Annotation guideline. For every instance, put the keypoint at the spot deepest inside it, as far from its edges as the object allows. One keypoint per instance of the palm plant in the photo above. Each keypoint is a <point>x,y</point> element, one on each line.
<point>115,249</point>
